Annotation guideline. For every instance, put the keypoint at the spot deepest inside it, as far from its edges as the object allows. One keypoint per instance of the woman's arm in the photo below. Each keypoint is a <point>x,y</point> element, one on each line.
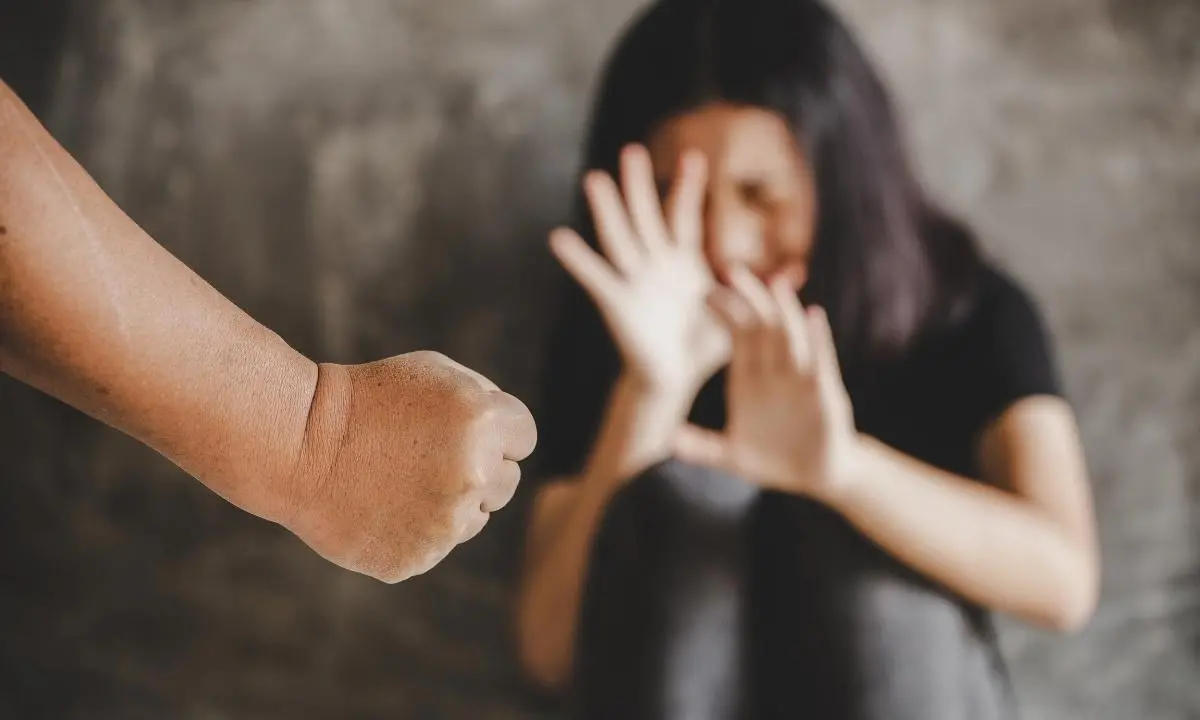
<point>637,431</point>
<point>1026,545</point>
<point>650,292</point>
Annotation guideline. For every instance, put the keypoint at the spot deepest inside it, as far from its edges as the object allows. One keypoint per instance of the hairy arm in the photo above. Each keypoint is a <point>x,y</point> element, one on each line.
<point>1025,544</point>
<point>95,313</point>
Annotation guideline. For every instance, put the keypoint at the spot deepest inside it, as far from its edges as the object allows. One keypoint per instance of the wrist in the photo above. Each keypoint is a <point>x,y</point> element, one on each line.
<point>656,391</point>
<point>640,426</point>
<point>293,496</point>
<point>850,472</point>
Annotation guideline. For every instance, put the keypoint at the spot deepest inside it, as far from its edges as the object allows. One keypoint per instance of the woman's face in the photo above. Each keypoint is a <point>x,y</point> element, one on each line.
<point>761,209</point>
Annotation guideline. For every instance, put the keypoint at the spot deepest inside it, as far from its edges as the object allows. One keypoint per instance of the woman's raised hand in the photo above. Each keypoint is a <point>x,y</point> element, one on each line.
<point>791,425</point>
<point>652,282</point>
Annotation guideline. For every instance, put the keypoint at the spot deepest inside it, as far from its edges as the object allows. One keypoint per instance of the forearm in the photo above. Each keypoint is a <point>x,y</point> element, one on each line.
<point>638,430</point>
<point>635,434</point>
<point>980,542</point>
<point>94,312</point>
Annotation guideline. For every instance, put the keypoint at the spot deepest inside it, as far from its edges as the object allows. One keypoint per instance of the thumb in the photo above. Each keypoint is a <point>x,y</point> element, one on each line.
<point>698,446</point>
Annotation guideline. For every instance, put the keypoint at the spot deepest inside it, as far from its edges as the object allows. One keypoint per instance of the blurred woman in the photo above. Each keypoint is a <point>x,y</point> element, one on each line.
<point>800,315</point>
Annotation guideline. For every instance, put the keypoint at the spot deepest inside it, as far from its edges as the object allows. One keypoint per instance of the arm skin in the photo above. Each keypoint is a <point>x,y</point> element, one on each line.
<point>381,468</point>
<point>95,313</point>
<point>637,432</point>
<point>1025,544</point>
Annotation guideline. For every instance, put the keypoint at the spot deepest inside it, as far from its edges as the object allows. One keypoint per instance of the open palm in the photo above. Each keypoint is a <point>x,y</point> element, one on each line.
<point>791,424</point>
<point>653,286</point>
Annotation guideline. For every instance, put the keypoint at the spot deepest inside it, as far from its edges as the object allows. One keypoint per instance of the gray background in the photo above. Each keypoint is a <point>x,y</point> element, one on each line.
<point>370,177</point>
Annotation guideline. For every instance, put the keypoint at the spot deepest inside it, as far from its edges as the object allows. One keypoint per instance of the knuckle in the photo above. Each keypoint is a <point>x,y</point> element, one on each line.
<point>427,356</point>
<point>460,478</point>
<point>475,479</point>
<point>484,413</point>
<point>465,416</point>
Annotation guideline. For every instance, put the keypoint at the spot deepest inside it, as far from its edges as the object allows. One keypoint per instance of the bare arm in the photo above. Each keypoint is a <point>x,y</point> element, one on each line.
<point>637,432</point>
<point>382,468</point>
<point>94,312</point>
<point>669,345</point>
<point>1025,546</point>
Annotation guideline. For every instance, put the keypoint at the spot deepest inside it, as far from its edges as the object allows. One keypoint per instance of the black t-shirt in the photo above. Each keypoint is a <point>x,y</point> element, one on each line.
<point>837,628</point>
<point>933,404</point>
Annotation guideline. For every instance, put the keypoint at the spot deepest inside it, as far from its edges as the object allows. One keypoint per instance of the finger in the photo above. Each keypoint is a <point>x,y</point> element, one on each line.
<point>771,341</point>
<point>502,484</point>
<point>737,316</point>
<point>795,324</point>
<point>686,202</point>
<point>733,311</point>
<point>754,292</point>
<point>589,269</point>
<point>613,229</point>
<point>515,426</point>
<point>698,446</point>
<point>825,350</point>
<point>641,195</point>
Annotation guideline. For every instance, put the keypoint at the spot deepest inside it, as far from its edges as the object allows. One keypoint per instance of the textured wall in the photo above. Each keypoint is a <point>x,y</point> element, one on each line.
<point>1069,131</point>
<point>372,176</point>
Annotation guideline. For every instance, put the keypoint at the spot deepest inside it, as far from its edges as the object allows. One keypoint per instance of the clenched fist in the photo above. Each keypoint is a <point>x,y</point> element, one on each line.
<point>404,459</point>
<point>382,468</point>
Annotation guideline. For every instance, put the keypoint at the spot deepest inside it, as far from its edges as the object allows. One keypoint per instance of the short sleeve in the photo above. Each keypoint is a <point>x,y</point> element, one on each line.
<point>578,369</point>
<point>1014,354</point>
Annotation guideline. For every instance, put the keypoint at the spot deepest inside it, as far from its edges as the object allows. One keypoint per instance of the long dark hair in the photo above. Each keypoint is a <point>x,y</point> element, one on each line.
<point>887,263</point>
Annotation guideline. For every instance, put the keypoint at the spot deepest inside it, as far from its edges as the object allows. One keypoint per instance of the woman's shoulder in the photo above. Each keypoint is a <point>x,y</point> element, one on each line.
<point>1002,291</point>
<point>998,335</point>
<point>1002,310</point>
<point>996,353</point>
<point>999,309</point>
<point>1004,336</point>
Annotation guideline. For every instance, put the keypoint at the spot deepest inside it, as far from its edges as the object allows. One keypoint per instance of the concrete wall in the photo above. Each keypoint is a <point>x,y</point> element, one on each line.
<point>372,176</point>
